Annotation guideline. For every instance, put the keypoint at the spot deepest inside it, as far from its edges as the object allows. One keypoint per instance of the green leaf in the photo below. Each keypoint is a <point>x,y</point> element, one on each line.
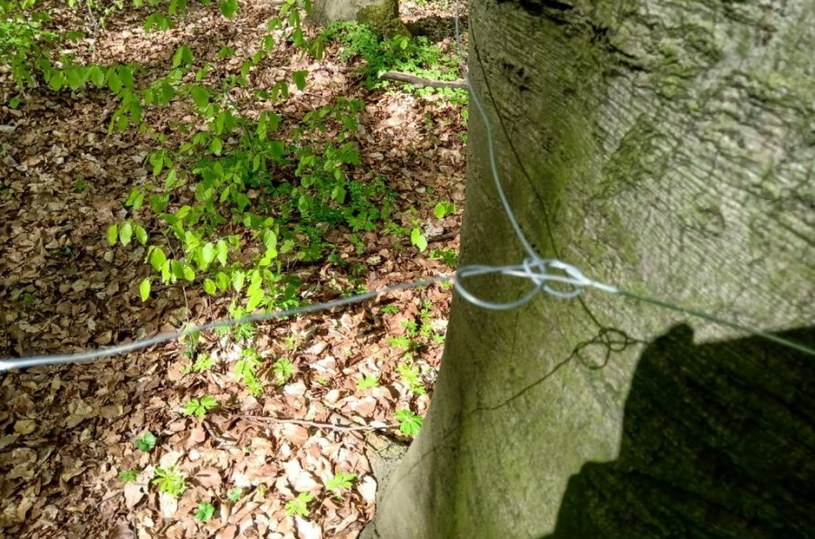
<point>144,289</point>
<point>237,280</point>
<point>418,239</point>
<point>114,81</point>
<point>171,179</point>
<point>182,56</point>
<point>157,258</point>
<point>228,8</point>
<point>209,402</point>
<point>205,511</point>
<point>128,476</point>
<point>222,252</point>
<point>135,199</point>
<point>256,296</point>
<point>200,96</point>
<point>189,273</point>
<point>443,209</point>
<point>208,254</point>
<point>97,76</point>
<point>209,287</point>
<point>141,234</point>
<point>57,81</point>
<point>409,423</point>
<point>113,234</point>
<point>193,408</point>
<point>76,76</point>
<point>146,442</point>
<point>215,146</point>
<point>222,280</point>
<point>126,233</point>
<point>299,79</point>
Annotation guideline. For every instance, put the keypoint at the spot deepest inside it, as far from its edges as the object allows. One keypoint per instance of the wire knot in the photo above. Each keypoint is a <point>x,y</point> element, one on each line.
<point>542,272</point>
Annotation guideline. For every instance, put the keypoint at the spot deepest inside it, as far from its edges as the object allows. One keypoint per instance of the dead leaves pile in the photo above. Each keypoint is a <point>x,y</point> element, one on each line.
<point>68,432</point>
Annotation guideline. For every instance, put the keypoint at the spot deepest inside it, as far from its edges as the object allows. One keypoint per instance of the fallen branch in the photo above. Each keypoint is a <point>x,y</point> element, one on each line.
<point>419,81</point>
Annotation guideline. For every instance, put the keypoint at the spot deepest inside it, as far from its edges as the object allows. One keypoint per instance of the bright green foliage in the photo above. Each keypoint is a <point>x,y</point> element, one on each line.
<point>368,382</point>
<point>205,511</point>
<point>399,53</point>
<point>199,407</point>
<point>170,480</point>
<point>246,371</point>
<point>443,209</point>
<point>409,423</point>
<point>340,482</point>
<point>299,505</point>
<point>418,239</point>
<point>128,476</point>
<point>203,362</point>
<point>283,370</point>
<point>448,256</point>
<point>235,495</point>
<point>412,377</point>
<point>146,442</point>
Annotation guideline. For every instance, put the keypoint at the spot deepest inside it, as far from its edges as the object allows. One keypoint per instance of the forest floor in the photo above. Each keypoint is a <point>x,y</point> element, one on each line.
<point>81,444</point>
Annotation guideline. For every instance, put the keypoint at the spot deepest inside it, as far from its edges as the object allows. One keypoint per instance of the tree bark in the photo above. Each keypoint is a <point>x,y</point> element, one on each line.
<point>665,148</point>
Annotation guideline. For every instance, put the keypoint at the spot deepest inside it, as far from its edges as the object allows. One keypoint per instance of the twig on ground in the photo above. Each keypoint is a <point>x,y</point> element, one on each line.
<point>419,81</point>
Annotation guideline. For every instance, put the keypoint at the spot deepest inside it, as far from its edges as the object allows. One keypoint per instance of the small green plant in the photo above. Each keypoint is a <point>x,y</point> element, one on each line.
<point>170,480</point>
<point>246,371</point>
<point>235,495</point>
<point>397,53</point>
<point>283,371</point>
<point>443,209</point>
<point>389,309</point>
<point>299,505</point>
<point>409,423</point>
<point>418,239</point>
<point>448,256</point>
<point>412,378</point>
<point>203,362</point>
<point>146,442</point>
<point>341,481</point>
<point>205,511</point>
<point>128,476</point>
<point>80,186</point>
<point>402,341</point>
<point>199,407</point>
<point>368,381</point>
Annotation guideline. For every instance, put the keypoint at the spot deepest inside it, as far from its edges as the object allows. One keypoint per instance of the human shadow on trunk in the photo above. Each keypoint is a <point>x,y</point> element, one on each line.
<point>718,442</point>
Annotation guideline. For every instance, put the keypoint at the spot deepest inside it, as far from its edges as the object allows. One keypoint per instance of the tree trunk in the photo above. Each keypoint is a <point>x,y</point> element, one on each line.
<point>665,148</point>
<point>381,15</point>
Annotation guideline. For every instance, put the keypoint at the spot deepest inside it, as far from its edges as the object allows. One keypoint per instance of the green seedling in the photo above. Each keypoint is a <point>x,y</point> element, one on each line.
<point>170,480</point>
<point>412,378</point>
<point>283,370</point>
<point>340,482</point>
<point>443,209</point>
<point>235,495</point>
<point>409,423</point>
<point>128,476</point>
<point>146,442</point>
<point>299,505</point>
<point>199,407</point>
<point>368,381</point>
<point>205,511</point>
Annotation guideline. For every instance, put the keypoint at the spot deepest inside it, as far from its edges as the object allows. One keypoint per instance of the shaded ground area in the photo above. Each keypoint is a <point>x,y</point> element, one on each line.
<point>69,432</point>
